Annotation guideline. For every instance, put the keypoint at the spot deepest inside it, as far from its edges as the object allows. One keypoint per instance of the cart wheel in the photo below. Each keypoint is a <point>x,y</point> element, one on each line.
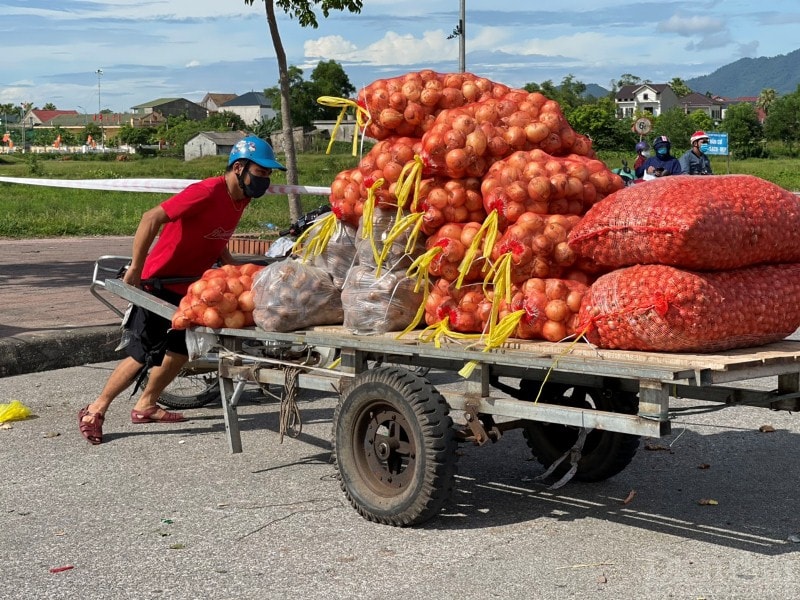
<point>394,447</point>
<point>605,453</point>
<point>191,389</point>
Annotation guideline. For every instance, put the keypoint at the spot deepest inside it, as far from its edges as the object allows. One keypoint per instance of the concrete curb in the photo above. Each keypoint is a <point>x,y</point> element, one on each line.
<point>47,350</point>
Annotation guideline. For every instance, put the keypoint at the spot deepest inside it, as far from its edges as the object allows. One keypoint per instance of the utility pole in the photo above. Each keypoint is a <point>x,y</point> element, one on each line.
<point>99,74</point>
<point>460,32</point>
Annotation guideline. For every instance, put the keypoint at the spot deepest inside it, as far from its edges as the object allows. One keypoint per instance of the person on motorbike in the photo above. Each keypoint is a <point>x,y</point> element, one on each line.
<point>695,161</point>
<point>663,163</point>
<point>642,154</point>
<point>193,228</point>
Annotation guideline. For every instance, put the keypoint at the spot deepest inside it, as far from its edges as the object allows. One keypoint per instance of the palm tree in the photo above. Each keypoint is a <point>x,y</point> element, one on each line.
<point>765,99</point>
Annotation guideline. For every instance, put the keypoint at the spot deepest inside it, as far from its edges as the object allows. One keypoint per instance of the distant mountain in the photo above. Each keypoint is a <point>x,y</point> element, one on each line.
<point>748,76</point>
<point>596,91</point>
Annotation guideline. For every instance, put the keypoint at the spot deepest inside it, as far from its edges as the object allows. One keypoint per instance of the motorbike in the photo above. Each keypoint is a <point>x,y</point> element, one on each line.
<point>627,174</point>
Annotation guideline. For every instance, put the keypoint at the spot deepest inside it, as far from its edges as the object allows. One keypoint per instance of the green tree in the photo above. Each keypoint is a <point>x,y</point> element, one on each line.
<point>765,99</point>
<point>224,121</point>
<point>329,79</point>
<point>700,120</point>
<point>598,120</point>
<point>303,11</point>
<point>49,106</point>
<point>625,79</point>
<point>744,131</point>
<point>303,107</point>
<point>783,121</point>
<point>677,126</point>
<point>134,136</point>
<point>680,88</point>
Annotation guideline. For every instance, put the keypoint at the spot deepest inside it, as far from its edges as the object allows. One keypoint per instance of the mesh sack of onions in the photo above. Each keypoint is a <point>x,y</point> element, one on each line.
<point>377,304</point>
<point>450,243</point>
<point>289,295</point>
<point>535,181</point>
<point>339,253</point>
<point>385,161</point>
<point>551,308</point>
<point>348,195</point>
<point>702,223</point>
<point>443,200</point>
<point>537,246</point>
<point>663,308</point>
<point>466,141</point>
<point>383,244</point>
<point>222,297</point>
<point>466,308</point>
<point>406,105</point>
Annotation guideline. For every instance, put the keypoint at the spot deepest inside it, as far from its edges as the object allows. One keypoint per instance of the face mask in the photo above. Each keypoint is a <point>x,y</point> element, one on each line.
<point>662,151</point>
<point>703,148</point>
<point>256,187</point>
<point>645,153</point>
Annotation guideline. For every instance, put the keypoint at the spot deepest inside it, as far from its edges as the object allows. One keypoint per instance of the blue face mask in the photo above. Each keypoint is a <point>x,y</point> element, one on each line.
<point>662,151</point>
<point>703,148</point>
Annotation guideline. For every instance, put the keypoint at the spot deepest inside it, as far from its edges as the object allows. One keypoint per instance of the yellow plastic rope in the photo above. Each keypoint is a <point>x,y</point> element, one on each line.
<point>317,236</point>
<point>368,217</point>
<point>436,332</point>
<point>401,226</point>
<point>419,268</point>
<point>424,279</point>
<point>497,337</point>
<point>345,103</point>
<point>486,234</point>
<point>410,178</point>
<point>500,278</point>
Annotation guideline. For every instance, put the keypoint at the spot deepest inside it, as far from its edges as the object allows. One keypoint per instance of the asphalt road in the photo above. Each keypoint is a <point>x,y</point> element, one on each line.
<point>164,511</point>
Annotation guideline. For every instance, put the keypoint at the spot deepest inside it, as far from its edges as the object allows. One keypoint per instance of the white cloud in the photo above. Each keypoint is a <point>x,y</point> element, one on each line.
<point>193,63</point>
<point>687,26</point>
<point>329,47</point>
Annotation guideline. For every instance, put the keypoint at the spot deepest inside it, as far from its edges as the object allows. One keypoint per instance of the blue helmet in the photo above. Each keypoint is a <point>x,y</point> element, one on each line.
<point>254,148</point>
<point>642,146</point>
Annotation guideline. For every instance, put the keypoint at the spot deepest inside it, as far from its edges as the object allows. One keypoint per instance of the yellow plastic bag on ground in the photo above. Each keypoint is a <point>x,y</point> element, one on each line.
<point>14,411</point>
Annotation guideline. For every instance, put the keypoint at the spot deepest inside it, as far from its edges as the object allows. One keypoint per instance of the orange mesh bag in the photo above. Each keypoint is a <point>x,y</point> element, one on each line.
<point>703,223</point>
<point>348,195</point>
<point>407,105</point>
<point>662,308</point>
<point>450,244</point>
<point>537,246</point>
<point>535,181</point>
<point>467,309</point>
<point>551,308</point>
<point>443,200</point>
<point>385,161</point>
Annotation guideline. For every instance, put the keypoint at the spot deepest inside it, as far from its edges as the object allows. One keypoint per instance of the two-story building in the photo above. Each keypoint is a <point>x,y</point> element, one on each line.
<point>645,99</point>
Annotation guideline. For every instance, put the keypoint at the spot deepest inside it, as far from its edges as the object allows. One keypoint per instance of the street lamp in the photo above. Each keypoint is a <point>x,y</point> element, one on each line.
<point>99,74</point>
<point>460,31</point>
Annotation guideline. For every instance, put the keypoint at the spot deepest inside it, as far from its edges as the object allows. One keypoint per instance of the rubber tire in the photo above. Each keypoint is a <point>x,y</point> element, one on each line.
<point>605,453</point>
<point>191,391</point>
<point>379,489</point>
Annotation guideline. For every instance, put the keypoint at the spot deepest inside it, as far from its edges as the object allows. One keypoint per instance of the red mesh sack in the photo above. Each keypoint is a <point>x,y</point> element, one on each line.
<point>449,201</point>
<point>537,245</point>
<point>703,223</point>
<point>347,196</point>
<point>467,309</point>
<point>454,239</point>
<point>386,160</point>
<point>407,105</point>
<point>662,308</point>
<point>466,141</point>
<point>535,181</point>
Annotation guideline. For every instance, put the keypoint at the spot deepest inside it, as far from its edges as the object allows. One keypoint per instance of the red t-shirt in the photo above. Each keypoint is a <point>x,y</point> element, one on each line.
<point>202,219</point>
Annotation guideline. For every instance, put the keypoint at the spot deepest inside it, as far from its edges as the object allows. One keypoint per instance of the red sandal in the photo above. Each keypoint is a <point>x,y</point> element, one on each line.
<point>148,416</point>
<point>91,430</point>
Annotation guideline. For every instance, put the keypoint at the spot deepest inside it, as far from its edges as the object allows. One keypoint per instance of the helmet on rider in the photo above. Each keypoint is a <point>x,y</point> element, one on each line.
<point>257,150</point>
<point>698,136</point>
<point>641,146</point>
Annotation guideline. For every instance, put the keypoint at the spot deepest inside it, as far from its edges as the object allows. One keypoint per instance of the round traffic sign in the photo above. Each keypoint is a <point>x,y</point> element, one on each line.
<point>642,126</point>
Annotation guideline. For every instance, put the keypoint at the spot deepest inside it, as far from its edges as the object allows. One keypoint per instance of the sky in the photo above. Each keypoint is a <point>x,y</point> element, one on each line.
<point>152,49</point>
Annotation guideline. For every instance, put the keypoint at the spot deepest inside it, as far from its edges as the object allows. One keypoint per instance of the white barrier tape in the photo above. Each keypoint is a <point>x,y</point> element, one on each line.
<point>169,186</point>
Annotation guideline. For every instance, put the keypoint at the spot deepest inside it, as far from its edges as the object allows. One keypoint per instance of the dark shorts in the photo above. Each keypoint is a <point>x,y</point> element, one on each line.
<point>150,334</point>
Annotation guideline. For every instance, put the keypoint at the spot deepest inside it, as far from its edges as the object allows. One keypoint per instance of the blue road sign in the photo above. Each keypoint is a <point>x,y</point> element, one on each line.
<point>717,144</point>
